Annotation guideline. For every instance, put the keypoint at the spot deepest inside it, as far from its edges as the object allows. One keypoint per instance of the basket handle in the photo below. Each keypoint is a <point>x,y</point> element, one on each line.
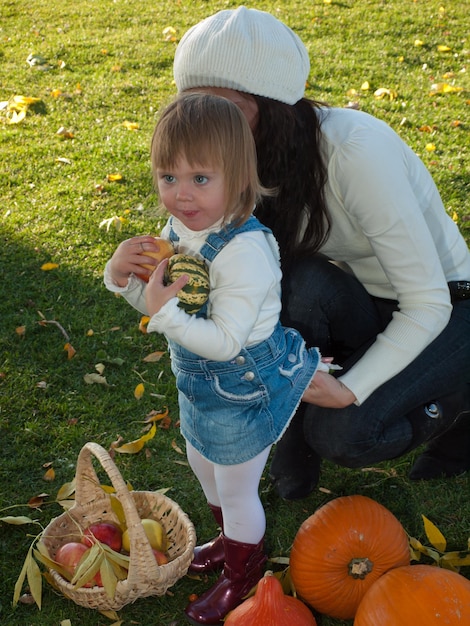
<point>88,489</point>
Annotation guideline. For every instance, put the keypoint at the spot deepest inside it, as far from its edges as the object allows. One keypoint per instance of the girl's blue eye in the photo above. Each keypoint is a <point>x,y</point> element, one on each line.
<point>168,178</point>
<point>200,179</point>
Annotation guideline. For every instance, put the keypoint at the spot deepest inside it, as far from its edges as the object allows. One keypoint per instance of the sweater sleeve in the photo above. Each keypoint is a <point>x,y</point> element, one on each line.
<point>372,171</point>
<point>244,281</point>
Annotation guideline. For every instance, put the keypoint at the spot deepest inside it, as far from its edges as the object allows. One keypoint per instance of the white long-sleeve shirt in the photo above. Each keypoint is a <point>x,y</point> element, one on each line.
<point>390,226</point>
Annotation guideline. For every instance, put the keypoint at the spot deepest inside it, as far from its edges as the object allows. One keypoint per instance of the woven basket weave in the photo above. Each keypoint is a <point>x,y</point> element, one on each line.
<point>92,504</point>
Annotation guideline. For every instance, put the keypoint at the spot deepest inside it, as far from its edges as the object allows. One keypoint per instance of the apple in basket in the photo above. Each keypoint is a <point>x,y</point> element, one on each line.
<point>105,532</point>
<point>160,557</point>
<point>69,555</point>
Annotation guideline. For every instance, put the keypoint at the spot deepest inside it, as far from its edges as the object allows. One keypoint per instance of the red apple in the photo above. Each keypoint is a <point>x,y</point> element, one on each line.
<point>106,532</point>
<point>160,557</point>
<point>69,556</point>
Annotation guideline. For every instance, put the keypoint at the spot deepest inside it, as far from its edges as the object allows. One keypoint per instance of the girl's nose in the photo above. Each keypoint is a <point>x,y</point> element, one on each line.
<point>183,192</point>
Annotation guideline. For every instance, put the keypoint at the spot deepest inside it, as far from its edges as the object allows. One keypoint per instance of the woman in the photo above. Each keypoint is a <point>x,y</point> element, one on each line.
<point>376,273</point>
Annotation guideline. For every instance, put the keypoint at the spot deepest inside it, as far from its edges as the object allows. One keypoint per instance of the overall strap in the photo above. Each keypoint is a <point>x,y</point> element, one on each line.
<point>216,241</point>
<point>174,238</point>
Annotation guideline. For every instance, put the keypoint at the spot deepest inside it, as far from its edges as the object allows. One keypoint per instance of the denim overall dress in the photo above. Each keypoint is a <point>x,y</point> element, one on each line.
<point>230,411</point>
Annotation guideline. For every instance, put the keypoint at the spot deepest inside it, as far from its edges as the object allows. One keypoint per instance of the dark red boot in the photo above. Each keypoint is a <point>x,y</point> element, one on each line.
<point>210,556</point>
<point>244,567</point>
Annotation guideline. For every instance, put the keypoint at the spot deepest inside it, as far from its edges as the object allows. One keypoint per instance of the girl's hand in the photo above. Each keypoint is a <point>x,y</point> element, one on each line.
<point>128,257</point>
<point>329,392</point>
<point>157,294</point>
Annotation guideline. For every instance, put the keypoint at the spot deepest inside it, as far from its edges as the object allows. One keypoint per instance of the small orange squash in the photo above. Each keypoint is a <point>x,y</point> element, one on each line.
<point>342,549</point>
<point>270,606</point>
<point>422,595</point>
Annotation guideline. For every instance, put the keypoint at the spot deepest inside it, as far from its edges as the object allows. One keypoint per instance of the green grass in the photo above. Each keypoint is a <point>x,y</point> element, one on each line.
<point>112,64</point>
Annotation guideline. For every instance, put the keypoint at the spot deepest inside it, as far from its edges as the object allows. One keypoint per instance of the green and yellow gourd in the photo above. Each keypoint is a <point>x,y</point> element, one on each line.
<point>196,291</point>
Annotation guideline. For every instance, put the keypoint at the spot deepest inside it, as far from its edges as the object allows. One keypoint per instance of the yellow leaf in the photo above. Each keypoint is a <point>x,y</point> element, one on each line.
<point>153,357</point>
<point>113,178</point>
<point>443,49</point>
<point>383,91</point>
<point>135,446</point>
<point>91,379</point>
<point>176,447</point>
<point>70,350</point>
<point>90,332</point>
<point>20,330</point>
<point>139,391</point>
<point>66,490</point>
<point>365,86</point>
<point>34,577</point>
<point>444,88</point>
<point>17,117</point>
<point>418,43</point>
<point>17,520</point>
<point>169,33</point>
<point>55,93</point>
<point>47,267</point>
<point>130,125</point>
<point>64,133</point>
<point>434,535</point>
<point>155,416</point>
<point>430,147</point>
<point>117,509</point>
<point>49,476</point>
<point>88,566</point>
<point>144,320</point>
<point>108,577</point>
<point>21,578</point>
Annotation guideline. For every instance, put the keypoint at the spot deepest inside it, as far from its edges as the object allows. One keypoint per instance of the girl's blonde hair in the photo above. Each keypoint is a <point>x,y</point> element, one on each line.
<point>211,130</point>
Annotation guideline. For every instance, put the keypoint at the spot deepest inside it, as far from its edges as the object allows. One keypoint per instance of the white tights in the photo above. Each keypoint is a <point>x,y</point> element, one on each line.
<point>235,489</point>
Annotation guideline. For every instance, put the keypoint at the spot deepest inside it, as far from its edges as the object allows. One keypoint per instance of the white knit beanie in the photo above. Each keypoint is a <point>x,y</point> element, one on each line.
<point>243,49</point>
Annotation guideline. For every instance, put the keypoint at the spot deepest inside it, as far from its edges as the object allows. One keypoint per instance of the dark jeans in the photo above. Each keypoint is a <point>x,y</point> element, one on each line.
<point>333,311</point>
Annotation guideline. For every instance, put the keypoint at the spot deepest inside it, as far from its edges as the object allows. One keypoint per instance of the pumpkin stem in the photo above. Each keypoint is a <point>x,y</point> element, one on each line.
<point>359,568</point>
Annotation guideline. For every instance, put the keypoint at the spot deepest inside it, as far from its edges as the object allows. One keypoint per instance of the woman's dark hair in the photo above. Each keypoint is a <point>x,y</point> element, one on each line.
<point>289,160</point>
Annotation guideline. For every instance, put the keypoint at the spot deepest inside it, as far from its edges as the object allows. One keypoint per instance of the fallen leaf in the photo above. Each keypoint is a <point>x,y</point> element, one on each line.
<point>114,178</point>
<point>176,448</point>
<point>444,88</point>
<point>434,535</point>
<point>47,267</point>
<point>18,520</point>
<point>153,357</point>
<point>91,379</point>
<point>131,125</point>
<point>37,501</point>
<point>382,92</point>
<point>70,350</point>
<point>49,476</point>
<point>139,391</point>
<point>64,133</point>
<point>443,48</point>
<point>155,416</point>
<point>20,330</point>
<point>431,147</point>
<point>135,446</point>
<point>144,320</point>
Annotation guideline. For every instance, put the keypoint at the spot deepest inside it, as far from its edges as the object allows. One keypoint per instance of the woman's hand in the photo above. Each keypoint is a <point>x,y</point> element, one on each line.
<point>129,256</point>
<point>157,294</point>
<point>327,391</point>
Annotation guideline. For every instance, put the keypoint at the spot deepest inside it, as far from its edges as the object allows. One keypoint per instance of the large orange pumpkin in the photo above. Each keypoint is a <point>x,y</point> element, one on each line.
<point>342,549</point>
<point>421,595</point>
<point>270,606</point>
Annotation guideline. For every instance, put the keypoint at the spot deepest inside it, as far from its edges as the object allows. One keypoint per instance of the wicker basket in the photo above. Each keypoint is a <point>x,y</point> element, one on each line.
<point>92,504</point>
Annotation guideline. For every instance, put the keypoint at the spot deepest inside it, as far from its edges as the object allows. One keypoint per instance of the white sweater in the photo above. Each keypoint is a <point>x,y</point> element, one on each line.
<point>390,226</point>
